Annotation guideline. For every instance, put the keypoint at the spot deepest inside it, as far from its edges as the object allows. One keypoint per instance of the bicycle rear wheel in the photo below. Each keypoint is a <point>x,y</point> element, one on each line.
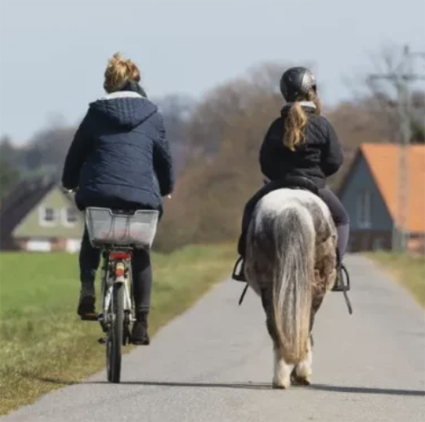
<point>115,337</point>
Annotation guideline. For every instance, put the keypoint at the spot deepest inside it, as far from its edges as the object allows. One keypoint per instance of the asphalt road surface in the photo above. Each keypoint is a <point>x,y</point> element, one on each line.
<point>214,363</point>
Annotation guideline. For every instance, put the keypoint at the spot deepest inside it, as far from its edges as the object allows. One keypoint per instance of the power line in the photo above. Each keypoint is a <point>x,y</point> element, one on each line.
<point>402,77</point>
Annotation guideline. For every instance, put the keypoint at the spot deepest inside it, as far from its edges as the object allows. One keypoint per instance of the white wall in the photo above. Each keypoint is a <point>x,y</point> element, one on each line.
<point>35,245</point>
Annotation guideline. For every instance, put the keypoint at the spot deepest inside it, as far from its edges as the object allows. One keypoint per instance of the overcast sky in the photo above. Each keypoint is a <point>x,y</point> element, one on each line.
<point>53,52</point>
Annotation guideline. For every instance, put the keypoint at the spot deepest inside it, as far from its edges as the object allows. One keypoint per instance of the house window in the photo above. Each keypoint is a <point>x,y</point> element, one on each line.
<point>364,207</point>
<point>69,216</point>
<point>48,216</point>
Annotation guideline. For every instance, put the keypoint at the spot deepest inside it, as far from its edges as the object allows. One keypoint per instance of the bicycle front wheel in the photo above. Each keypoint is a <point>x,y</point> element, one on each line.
<point>115,337</point>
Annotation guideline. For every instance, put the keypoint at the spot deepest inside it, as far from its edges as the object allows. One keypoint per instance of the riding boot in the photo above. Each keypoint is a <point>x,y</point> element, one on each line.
<point>86,305</point>
<point>339,285</point>
<point>139,333</point>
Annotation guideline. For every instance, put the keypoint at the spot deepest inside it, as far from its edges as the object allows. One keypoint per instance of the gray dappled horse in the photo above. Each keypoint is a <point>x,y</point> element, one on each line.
<point>291,264</point>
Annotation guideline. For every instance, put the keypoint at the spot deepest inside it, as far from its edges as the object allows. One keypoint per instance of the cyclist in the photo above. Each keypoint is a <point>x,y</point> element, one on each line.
<point>119,159</point>
<point>302,146</point>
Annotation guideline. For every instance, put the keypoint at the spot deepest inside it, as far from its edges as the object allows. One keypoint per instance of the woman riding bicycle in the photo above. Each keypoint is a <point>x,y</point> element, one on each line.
<point>300,149</point>
<point>119,159</point>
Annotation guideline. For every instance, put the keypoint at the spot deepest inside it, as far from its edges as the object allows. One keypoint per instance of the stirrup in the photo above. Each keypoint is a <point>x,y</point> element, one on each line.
<point>239,275</point>
<point>343,287</point>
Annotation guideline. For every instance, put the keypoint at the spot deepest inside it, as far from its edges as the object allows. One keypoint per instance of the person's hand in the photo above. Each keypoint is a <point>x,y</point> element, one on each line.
<point>68,191</point>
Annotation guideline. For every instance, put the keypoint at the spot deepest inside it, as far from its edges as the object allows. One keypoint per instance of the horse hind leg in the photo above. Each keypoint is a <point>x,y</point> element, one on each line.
<point>301,374</point>
<point>282,371</point>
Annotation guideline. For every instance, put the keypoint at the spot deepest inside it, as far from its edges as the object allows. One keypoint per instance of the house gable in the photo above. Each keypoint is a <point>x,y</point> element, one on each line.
<point>33,225</point>
<point>358,181</point>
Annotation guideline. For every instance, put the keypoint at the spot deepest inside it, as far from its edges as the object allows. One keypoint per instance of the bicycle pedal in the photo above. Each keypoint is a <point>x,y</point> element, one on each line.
<point>102,340</point>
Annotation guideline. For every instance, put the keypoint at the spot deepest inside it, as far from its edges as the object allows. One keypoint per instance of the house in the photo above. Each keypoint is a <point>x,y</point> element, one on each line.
<point>370,194</point>
<point>39,216</point>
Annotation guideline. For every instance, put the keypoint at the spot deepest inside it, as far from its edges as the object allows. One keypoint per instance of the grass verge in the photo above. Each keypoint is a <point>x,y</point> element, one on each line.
<point>409,271</point>
<point>43,345</point>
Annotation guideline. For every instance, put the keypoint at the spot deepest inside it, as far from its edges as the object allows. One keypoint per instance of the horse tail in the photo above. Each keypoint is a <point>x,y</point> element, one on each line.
<point>294,236</point>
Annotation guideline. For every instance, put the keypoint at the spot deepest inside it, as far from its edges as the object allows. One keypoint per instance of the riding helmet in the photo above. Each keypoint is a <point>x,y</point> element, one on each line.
<point>296,82</point>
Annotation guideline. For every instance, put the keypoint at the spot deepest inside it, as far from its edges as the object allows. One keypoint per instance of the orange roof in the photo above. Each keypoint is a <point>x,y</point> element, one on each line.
<point>383,160</point>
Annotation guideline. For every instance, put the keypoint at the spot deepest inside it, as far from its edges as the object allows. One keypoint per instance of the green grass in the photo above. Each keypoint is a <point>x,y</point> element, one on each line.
<point>409,271</point>
<point>43,345</point>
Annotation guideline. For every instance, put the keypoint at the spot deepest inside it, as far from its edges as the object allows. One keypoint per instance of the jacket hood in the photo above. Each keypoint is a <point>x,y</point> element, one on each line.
<point>308,106</point>
<point>125,108</point>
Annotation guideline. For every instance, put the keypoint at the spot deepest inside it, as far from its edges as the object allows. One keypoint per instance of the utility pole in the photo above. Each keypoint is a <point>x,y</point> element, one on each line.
<point>402,77</point>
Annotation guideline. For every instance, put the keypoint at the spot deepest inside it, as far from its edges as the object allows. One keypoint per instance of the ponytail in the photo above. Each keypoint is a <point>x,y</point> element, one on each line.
<point>296,122</point>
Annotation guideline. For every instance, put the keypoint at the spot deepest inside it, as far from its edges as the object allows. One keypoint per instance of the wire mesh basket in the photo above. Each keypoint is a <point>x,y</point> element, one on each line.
<point>121,229</point>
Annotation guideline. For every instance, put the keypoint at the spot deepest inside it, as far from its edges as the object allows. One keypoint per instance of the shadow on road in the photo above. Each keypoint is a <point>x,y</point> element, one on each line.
<point>365,390</point>
<point>259,386</point>
<point>247,386</point>
<point>252,386</point>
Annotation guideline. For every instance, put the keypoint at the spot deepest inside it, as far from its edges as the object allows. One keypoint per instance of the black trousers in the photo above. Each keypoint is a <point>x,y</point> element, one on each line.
<point>338,212</point>
<point>141,270</point>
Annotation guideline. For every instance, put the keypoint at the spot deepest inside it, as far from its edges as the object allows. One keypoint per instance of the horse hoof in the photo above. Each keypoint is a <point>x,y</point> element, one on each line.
<point>279,386</point>
<point>300,381</point>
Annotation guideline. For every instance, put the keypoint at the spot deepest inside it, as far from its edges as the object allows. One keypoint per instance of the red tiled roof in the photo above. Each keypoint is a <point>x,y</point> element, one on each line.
<point>383,161</point>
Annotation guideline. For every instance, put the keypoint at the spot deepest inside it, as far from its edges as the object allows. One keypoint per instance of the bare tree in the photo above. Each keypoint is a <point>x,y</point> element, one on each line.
<point>176,111</point>
<point>396,92</point>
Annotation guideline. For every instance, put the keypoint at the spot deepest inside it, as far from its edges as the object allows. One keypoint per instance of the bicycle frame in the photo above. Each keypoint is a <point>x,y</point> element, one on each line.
<point>116,269</point>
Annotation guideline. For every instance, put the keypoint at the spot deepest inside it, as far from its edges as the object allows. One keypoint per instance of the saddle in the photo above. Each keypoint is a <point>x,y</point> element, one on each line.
<point>298,182</point>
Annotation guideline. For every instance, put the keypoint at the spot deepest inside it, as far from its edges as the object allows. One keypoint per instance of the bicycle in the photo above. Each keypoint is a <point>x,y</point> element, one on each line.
<point>117,233</point>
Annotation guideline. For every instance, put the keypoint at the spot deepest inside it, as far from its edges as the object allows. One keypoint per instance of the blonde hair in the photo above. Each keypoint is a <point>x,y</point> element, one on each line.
<point>296,121</point>
<point>119,72</point>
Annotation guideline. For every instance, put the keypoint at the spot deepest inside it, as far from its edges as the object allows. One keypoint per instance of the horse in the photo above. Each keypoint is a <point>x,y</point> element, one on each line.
<point>291,264</point>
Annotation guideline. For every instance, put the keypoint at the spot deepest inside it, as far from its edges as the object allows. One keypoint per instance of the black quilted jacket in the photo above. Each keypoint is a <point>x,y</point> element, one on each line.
<point>319,157</point>
<point>120,153</point>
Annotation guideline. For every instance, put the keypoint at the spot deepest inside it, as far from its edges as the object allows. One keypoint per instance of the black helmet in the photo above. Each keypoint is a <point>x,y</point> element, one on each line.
<point>296,82</point>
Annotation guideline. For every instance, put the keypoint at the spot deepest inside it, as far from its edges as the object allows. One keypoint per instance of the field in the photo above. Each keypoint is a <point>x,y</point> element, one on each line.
<point>43,344</point>
<point>409,271</point>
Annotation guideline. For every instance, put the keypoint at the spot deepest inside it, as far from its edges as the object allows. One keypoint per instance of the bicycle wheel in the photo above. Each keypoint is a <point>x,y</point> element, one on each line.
<point>115,337</point>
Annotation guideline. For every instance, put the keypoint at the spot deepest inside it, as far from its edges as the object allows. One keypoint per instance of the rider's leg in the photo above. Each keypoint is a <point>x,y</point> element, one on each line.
<point>142,286</point>
<point>341,219</point>
<point>246,219</point>
<point>89,262</point>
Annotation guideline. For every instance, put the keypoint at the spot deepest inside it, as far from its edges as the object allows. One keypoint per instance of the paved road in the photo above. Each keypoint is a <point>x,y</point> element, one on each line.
<point>215,364</point>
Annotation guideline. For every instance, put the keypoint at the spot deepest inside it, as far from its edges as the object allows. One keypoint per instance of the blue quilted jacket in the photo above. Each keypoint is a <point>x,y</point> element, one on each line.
<point>120,154</point>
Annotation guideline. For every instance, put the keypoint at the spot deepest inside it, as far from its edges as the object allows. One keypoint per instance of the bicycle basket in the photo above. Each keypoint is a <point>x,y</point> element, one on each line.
<point>106,228</point>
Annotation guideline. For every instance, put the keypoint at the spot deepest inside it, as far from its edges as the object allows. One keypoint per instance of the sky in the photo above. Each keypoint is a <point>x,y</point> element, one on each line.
<point>53,52</point>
